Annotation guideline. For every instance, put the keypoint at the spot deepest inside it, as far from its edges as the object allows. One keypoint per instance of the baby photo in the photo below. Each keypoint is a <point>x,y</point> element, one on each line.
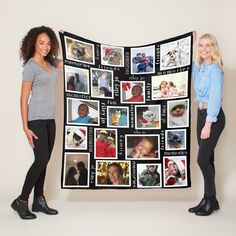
<point>113,173</point>
<point>132,91</point>
<point>175,139</point>
<point>102,83</point>
<point>142,146</point>
<point>76,137</point>
<point>118,117</point>
<point>149,175</point>
<point>76,80</point>
<point>112,56</point>
<point>170,86</point>
<point>76,170</point>
<point>79,51</point>
<point>178,113</point>
<point>175,54</point>
<point>82,112</point>
<point>147,117</point>
<point>105,143</point>
<point>143,60</point>
<point>175,171</point>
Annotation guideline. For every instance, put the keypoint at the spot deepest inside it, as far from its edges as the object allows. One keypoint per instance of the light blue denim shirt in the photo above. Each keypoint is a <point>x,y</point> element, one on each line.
<point>208,84</point>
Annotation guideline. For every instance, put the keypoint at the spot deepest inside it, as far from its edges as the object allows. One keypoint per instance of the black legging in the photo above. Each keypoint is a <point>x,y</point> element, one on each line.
<point>45,131</point>
<point>206,150</point>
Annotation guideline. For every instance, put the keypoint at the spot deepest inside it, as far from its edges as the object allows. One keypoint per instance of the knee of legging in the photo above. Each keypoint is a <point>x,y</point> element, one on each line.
<point>201,162</point>
<point>42,163</point>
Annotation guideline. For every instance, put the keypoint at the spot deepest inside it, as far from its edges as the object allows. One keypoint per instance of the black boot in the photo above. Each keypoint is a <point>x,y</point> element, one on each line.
<point>196,208</point>
<point>40,204</point>
<point>22,209</point>
<point>208,208</point>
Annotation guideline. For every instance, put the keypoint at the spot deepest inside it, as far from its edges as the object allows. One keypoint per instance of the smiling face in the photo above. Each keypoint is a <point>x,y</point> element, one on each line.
<point>42,45</point>
<point>113,174</point>
<point>83,110</point>
<point>145,146</point>
<point>137,90</point>
<point>205,50</point>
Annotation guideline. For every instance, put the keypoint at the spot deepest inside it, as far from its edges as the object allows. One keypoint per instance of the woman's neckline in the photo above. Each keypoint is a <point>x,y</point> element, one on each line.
<point>48,71</point>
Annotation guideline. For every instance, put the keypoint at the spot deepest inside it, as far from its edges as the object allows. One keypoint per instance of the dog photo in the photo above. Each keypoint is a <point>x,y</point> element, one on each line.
<point>112,56</point>
<point>175,171</point>
<point>83,112</point>
<point>105,143</point>
<point>142,146</point>
<point>170,86</point>
<point>147,117</point>
<point>149,175</point>
<point>117,117</point>
<point>79,51</point>
<point>76,170</point>
<point>102,83</point>
<point>113,173</point>
<point>76,80</point>
<point>132,91</point>
<point>178,113</point>
<point>76,137</point>
<point>175,54</point>
<point>175,139</point>
<point>143,60</point>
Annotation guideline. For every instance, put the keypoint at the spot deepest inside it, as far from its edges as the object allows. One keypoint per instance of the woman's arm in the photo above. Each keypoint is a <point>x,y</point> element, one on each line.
<point>25,93</point>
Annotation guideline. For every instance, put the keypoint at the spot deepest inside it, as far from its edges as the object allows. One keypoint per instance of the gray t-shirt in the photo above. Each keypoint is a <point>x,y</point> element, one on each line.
<point>42,102</point>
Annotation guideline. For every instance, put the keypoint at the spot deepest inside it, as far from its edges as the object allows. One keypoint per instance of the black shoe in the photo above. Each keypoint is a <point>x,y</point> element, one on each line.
<point>208,208</point>
<point>40,204</point>
<point>196,208</point>
<point>22,209</point>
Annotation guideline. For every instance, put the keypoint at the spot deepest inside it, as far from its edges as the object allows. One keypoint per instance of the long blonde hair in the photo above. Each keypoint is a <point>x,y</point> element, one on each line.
<point>216,56</point>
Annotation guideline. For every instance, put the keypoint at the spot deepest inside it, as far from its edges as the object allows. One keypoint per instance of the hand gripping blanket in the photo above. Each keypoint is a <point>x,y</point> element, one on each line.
<point>126,114</point>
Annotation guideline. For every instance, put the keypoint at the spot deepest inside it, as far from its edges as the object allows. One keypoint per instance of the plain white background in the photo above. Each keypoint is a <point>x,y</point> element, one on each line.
<point>121,23</point>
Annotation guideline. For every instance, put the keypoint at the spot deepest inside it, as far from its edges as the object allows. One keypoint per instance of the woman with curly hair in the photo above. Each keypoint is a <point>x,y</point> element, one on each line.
<point>39,51</point>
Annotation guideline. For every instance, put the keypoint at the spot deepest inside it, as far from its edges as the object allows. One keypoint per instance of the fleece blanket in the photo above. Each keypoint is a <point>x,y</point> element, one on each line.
<point>126,114</point>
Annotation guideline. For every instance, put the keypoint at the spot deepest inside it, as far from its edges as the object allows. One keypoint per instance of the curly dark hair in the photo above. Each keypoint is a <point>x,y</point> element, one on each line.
<point>27,48</point>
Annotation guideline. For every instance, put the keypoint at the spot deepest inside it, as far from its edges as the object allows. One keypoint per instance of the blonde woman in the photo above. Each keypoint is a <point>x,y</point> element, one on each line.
<point>208,82</point>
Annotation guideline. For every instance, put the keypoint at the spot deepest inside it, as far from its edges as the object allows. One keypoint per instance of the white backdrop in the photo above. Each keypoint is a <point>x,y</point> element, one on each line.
<point>129,22</point>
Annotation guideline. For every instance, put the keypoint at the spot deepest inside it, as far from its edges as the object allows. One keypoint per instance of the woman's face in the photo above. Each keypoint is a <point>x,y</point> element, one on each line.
<point>173,169</point>
<point>42,45</point>
<point>113,174</point>
<point>205,50</point>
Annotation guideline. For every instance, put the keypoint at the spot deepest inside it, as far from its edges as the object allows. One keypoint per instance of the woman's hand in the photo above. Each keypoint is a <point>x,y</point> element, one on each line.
<point>206,131</point>
<point>30,136</point>
<point>194,36</point>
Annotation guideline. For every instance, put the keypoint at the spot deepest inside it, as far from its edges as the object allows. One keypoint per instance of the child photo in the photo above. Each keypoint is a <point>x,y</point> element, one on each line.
<point>149,175</point>
<point>170,86</point>
<point>178,113</point>
<point>143,60</point>
<point>79,51</point>
<point>76,137</point>
<point>175,171</point>
<point>76,170</point>
<point>175,54</point>
<point>175,139</point>
<point>118,117</point>
<point>112,56</point>
<point>147,117</point>
<point>142,146</point>
<point>102,83</point>
<point>132,91</point>
<point>76,80</point>
<point>82,112</point>
<point>113,173</point>
<point>105,143</point>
